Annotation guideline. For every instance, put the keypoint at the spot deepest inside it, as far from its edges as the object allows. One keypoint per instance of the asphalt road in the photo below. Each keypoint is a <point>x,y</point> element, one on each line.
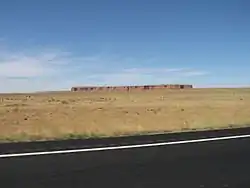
<point>212,164</point>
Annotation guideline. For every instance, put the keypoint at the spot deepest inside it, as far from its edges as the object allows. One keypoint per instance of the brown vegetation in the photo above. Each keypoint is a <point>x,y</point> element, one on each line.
<point>74,114</point>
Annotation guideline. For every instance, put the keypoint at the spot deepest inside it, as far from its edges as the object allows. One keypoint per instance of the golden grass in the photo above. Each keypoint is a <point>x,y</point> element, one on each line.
<point>67,114</point>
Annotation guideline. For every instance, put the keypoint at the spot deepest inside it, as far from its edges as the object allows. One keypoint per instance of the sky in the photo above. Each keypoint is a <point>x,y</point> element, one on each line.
<point>54,45</point>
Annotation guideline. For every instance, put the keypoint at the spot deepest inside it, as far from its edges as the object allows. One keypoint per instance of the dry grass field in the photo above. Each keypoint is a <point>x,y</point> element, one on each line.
<point>60,115</point>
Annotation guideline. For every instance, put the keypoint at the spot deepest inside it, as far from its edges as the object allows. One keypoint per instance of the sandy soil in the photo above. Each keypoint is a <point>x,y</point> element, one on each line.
<point>57,115</point>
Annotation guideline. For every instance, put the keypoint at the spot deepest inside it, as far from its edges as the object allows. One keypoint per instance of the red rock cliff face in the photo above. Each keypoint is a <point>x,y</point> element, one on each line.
<point>130,88</point>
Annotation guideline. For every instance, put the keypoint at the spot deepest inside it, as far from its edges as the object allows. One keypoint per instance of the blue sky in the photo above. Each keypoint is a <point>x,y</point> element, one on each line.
<point>53,45</point>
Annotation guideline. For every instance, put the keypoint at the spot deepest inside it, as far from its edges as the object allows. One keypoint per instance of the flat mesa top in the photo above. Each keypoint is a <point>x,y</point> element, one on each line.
<point>135,87</point>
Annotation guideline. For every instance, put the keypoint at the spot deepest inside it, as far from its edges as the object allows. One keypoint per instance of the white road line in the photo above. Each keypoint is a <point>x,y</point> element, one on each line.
<point>122,147</point>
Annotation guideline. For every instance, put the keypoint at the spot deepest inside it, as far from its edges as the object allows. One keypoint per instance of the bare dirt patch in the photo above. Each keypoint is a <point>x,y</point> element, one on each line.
<point>59,115</point>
